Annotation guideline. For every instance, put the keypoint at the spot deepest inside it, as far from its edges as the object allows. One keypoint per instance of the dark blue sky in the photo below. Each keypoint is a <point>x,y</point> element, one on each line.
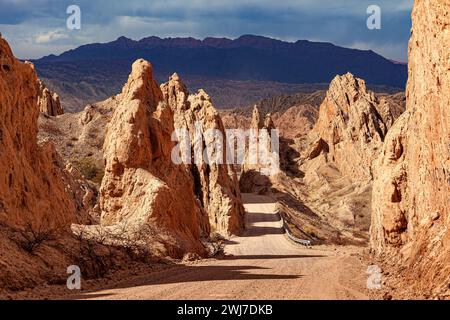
<point>36,28</point>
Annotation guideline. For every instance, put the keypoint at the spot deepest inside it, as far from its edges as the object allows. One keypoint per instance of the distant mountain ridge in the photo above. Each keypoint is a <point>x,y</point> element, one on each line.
<point>103,66</point>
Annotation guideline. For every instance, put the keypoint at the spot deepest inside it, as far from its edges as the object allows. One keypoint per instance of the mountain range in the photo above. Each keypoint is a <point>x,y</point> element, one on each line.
<point>95,71</point>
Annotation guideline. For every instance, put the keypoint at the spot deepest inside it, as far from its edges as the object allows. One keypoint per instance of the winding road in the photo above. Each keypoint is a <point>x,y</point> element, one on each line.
<point>261,264</point>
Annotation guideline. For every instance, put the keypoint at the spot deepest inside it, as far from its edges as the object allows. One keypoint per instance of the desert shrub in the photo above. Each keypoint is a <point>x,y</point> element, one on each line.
<point>93,256</point>
<point>215,245</point>
<point>90,170</point>
<point>50,128</point>
<point>135,243</point>
<point>101,251</point>
<point>310,231</point>
<point>31,238</point>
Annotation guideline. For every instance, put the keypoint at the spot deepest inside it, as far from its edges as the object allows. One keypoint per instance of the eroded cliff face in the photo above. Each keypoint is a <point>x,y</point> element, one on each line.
<point>411,202</point>
<point>261,163</point>
<point>142,187</point>
<point>215,184</point>
<point>337,155</point>
<point>389,188</point>
<point>49,103</point>
<point>40,196</point>
<point>351,127</point>
<point>32,189</point>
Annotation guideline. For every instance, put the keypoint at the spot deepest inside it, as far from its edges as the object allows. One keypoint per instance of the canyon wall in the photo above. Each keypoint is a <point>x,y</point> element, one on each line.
<point>351,127</point>
<point>411,199</point>
<point>216,184</point>
<point>34,186</point>
<point>40,196</point>
<point>142,187</point>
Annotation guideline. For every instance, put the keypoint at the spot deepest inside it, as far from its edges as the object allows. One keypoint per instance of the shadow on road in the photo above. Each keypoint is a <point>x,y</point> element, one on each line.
<point>186,274</point>
<point>267,257</point>
<point>251,198</point>
<point>261,231</point>
<point>264,217</point>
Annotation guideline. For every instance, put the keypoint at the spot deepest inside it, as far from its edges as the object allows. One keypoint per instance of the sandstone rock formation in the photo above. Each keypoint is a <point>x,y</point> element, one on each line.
<point>49,103</point>
<point>297,121</point>
<point>215,183</point>
<point>31,189</point>
<point>257,121</point>
<point>337,155</point>
<point>411,200</point>
<point>39,197</point>
<point>142,187</point>
<point>261,163</point>
<point>79,137</point>
<point>231,120</point>
<point>269,125</point>
<point>351,127</point>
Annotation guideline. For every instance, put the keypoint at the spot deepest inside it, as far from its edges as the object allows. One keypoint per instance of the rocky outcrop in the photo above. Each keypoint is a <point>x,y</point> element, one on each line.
<point>39,196</point>
<point>351,127</point>
<point>389,189</point>
<point>261,163</point>
<point>269,125</point>
<point>297,121</point>
<point>142,187</point>
<point>215,183</point>
<point>49,103</point>
<point>337,155</point>
<point>257,121</point>
<point>32,189</point>
<point>411,200</point>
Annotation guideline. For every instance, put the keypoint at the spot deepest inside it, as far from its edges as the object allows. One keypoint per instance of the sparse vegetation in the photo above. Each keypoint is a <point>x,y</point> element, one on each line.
<point>50,128</point>
<point>310,231</point>
<point>90,170</point>
<point>216,245</point>
<point>93,256</point>
<point>30,238</point>
<point>98,251</point>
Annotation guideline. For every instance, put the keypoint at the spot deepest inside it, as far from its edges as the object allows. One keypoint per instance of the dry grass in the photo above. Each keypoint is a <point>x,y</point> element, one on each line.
<point>90,170</point>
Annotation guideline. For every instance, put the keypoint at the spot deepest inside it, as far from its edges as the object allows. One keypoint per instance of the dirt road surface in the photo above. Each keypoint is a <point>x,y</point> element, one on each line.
<point>262,264</point>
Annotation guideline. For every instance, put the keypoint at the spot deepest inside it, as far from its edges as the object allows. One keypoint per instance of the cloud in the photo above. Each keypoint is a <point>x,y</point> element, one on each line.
<point>51,36</point>
<point>341,22</point>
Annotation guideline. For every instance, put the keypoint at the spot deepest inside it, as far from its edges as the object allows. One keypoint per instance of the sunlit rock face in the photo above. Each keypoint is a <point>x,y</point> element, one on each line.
<point>411,199</point>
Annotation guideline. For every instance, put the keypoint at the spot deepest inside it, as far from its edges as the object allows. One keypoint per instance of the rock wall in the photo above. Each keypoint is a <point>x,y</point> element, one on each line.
<point>337,155</point>
<point>216,185</point>
<point>411,200</point>
<point>40,196</point>
<point>142,187</point>
<point>49,103</point>
<point>297,121</point>
<point>32,189</point>
<point>256,172</point>
<point>351,127</point>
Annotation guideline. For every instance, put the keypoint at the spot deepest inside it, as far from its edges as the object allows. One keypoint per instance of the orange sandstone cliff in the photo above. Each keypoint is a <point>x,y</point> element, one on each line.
<point>411,198</point>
